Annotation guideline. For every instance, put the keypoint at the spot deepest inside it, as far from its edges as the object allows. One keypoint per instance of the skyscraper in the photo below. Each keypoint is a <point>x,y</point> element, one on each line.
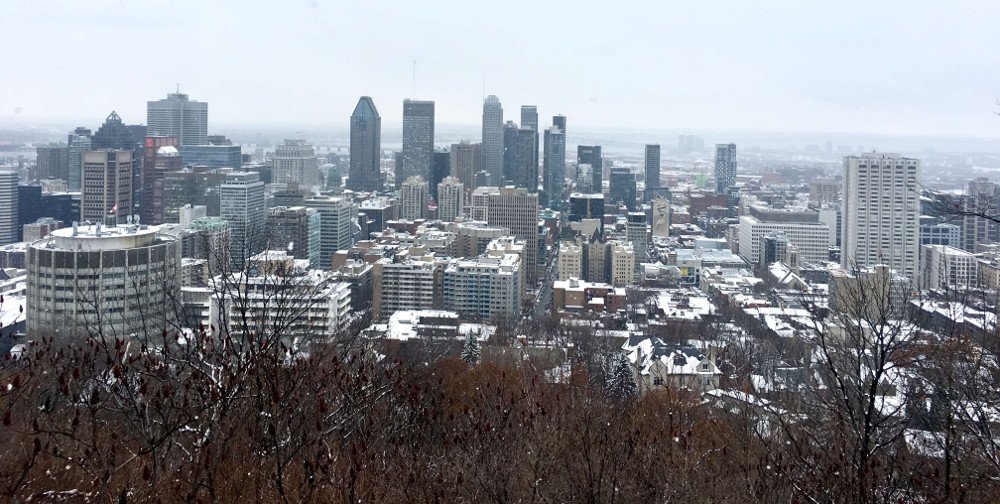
<point>559,121</point>
<point>517,209</point>
<point>440,170</point>
<point>591,155</point>
<point>115,134</point>
<point>465,159</point>
<point>8,207</point>
<point>159,158</point>
<point>451,200</point>
<point>510,130</point>
<point>621,187</point>
<point>51,161</point>
<point>295,162</point>
<point>652,171</point>
<point>526,175</point>
<point>241,202</point>
<point>725,167</point>
<point>413,198</point>
<point>881,213</point>
<point>337,216</point>
<point>179,117</point>
<point>554,167</point>
<point>418,140</point>
<point>980,199</point>
<point>78,142</point>
<point>106,186</point>
<point>529,119</point>
<point>366,148</point>
<point>492,153</point>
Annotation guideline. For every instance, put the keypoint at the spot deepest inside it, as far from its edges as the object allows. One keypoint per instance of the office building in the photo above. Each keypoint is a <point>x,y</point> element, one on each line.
<point>297,231</point>
<point>413,198</point>
<point>451,200</point>
<point>336,221</point>
<point>725,168</point>
<point>117,281</point>
<point>78,142</point>
<point>51,161</point>
<point>945,267</point>
<point>241,203</point>
<point>160,157</point>
<point>559,121</point>
<point>529,119</point>
<point>418,141</point>
<point>517,210</point>
<point>440,170</point>
<point>554,168</point>
<point>586,206</point>
<point>465,159</point>
<point>652,167</point>
<point>8,207</point>
<point>177,116</point>
<point>823,192</point>
<point>811,238</point>
<point>881,212</point>
<point>621,187</point>
<point>939,233</point>
<point>107,186</point>
<point>212,156</point>
<point>375,213</point>
<point>510,168</point>
<point>492,150</point>
<point>591,155</point>
<point>295,162</point>
<point>366,148</point>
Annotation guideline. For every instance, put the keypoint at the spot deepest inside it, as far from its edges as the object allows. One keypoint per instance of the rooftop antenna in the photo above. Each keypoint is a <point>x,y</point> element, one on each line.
<point>178,88</point>
<point>414,79</point>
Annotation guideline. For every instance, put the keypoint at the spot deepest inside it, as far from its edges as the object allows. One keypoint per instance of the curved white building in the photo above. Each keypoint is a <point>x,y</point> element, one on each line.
<point>115,281</point>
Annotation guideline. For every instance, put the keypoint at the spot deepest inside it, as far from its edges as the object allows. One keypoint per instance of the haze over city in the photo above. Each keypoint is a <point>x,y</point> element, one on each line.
<point>893,68</point>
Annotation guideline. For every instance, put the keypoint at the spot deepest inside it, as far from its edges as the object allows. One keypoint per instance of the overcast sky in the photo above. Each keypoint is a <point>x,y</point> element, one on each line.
<point>914,67</point>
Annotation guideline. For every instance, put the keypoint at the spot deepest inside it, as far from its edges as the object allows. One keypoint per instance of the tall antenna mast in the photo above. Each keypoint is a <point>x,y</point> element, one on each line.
<point>178,88</point>
<point>414,79</point>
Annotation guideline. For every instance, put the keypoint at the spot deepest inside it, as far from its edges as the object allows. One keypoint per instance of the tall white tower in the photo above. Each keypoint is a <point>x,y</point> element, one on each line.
<point>881,213</point>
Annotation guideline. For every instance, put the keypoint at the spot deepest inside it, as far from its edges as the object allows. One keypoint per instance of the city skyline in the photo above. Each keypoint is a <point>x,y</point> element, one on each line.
<point>889,80</point>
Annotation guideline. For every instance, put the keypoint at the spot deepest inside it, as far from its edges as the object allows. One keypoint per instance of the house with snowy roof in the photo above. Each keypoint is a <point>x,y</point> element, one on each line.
<point>659,365</point>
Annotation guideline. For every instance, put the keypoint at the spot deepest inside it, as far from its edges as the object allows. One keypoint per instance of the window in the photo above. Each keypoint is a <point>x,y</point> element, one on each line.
<point>658,380</point>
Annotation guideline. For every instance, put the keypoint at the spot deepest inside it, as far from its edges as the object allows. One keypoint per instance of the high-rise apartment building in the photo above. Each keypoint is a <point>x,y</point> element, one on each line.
<point>295,162</point>
<point>107,186</point>
<point>945,267</point>
<point>366,147</point>
<point>451,199</point>
<point>337,216</point>
<point>418,141</point>
<point>517,209</point>
<point>8,207</point>
<point>296,230</point>
<point>177,116</point>
<point>465,158</point>
<point>569,262</point>
<point>413,198</point>
<point>635,233</point>
<point>591,155</point>
<point>554,168</point>
<point>725,167</point>
<point>623,263</point>
<point>160,157</point>
<point>492,152</point>
<point>881,213</point>
<point>652,171</point>
<point>486,287</point>
<point>241,202</point>
<point>980,200</point>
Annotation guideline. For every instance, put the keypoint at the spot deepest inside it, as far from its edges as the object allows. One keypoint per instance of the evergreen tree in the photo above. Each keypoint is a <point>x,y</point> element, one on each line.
<point>621,382</point>
<point>470,351</point>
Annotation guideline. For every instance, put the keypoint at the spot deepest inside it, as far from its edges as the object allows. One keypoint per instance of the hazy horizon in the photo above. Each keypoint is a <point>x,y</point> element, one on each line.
<point>894,68</point>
